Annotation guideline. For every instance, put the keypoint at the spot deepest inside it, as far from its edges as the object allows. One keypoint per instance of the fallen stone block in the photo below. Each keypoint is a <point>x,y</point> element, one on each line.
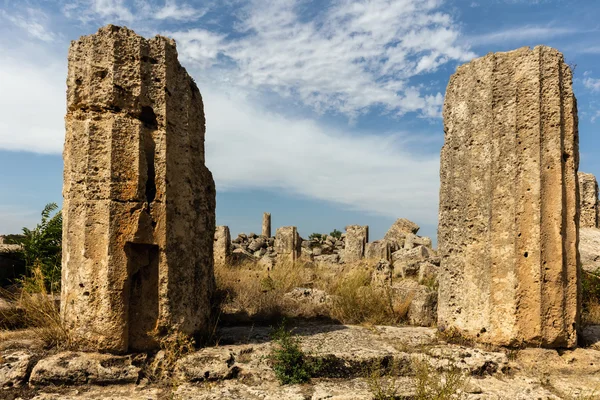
<point>78,368</point>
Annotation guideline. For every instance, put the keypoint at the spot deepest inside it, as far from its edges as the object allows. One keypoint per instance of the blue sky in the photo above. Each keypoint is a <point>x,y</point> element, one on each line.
<point>324,113</point>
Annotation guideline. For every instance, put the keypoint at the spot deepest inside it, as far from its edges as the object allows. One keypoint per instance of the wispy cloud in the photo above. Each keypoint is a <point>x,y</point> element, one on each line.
<point>31,20</point>
<point>305,157</point>
<point>352,56</point>
<point>123,11</point>
<point>520,34</point>
<point>592,84</point>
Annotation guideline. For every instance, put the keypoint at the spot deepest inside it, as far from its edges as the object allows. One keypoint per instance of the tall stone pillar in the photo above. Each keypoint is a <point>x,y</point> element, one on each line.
<point>287,243</point>
<point>508,219</point>
<point>222,245</point>
<point>139,202</point>
<point>266,225</point>
<point>356,240</point>
<point>588,198</point>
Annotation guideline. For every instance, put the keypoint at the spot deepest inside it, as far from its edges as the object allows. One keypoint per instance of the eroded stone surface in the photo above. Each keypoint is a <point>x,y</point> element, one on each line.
<point>77,368</point>
<point>508,201</point>
<point>356,239</point>
<point>287,243</point>
<point>266,225</point>
<point>14,368</point>
<point>588,200</point>
<point>139,202</point>
<point>222,245</point>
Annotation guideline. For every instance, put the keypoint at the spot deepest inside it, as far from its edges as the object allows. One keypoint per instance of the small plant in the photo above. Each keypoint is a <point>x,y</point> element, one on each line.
<point>336,234</point>
<point>315,236</point>
<point>381,381</point>
<point>435,385</point>
<point>288,360</point>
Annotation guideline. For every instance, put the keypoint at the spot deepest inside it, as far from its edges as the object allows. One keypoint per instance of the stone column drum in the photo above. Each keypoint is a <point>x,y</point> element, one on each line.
<point>266,225</point>
<point>287,243</point>
<point>588,198</point>
<point>222,245</point>
<point>508,219</point>
<point>139,202</point>
<point>356,240</point>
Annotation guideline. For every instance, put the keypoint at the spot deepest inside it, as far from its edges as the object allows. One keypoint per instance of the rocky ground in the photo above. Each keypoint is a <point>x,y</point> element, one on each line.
<point>239,368</point>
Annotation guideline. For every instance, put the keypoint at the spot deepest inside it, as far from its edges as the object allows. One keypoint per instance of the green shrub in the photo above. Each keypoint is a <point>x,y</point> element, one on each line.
<point>288,360</point>
<point>42,246</point>
<point>314,236</point>
<point>336,234</point>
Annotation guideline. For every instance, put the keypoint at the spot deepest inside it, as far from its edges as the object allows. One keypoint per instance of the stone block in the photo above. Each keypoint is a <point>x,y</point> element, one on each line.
<point>508,228</point>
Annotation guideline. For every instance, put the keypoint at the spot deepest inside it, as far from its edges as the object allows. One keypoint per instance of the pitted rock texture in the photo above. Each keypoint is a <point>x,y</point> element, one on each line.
<point>266,225</point>
<point>139,202</point>
<point>356,239</point>
<point>508,227</point>
<point>287,243</point>
<point>222,245</point>
<point>588,199</point>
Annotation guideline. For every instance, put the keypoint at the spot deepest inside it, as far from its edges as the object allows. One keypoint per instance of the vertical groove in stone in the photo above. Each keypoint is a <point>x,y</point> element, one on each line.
<point>507,232</point>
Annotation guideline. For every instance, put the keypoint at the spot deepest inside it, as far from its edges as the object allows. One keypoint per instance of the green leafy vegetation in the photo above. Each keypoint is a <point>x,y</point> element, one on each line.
<point>288,360</point>
<point>336,234</point>
<point>42,247</point>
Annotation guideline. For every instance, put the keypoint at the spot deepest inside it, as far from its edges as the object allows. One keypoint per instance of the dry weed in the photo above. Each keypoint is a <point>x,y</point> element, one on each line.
<point>251,289</point>
<point>40,312</point>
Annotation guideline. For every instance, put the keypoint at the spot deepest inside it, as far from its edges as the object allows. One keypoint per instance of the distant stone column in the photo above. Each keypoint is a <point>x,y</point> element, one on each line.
<point>287,243</point>
<point>356,240</point>
<point>588,199</point>
<point>222,245</point>
<point>139,202</point>
<point>508,228</point>
<point>266,225</point>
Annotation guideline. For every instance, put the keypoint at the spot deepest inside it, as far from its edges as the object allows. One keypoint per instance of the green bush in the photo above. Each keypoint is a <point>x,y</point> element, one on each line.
<point>42,246</point>
<point>336,234</point>
<point>288,360</point>
<point>314,236</point>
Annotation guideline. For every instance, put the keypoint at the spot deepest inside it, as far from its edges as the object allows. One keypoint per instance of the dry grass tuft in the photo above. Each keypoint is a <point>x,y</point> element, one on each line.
<point>434,385</point>
<point>40,312</point>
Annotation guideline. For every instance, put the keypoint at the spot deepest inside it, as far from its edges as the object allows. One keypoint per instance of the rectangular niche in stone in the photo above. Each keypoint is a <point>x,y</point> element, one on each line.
<point>139,202</point>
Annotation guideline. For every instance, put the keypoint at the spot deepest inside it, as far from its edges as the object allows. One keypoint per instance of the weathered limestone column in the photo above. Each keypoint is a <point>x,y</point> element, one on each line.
<point>356,239</point>
<point>287,243</point>
<point>266,225</point>
<point>222,245</point>
<point>508,220</point>
<point>588,198</point>
<point>139,202</point>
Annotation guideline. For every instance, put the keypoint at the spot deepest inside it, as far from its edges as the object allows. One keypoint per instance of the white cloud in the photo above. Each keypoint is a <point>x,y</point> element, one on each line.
<point>592,84</point>
<point>352,56</point>
<point>33,21</point>
<point>104,11</point>
<point>519,34</point>
<point>182,12</point>
<point>248,147</point>
<point>32,105</point>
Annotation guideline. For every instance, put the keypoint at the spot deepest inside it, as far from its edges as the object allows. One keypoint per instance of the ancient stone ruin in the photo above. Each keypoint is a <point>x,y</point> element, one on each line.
<point>266,225</point>
<point>222,245</point>
<point>588,200</point>
<point>508,228</point>
<point>139,202</point>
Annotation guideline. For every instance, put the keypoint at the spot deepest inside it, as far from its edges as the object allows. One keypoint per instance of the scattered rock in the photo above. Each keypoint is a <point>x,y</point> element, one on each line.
<point>14,368</point>
<point>208,364</point>
<point>78,368</point>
